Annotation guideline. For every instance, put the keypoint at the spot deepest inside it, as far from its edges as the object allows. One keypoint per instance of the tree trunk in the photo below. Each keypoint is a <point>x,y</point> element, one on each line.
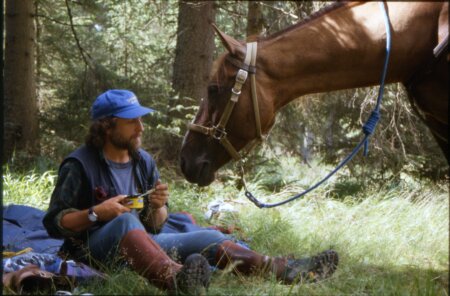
<point>193,54</point>
<point>38,57</point>
<point>20,106</point>
<point>254,20</point>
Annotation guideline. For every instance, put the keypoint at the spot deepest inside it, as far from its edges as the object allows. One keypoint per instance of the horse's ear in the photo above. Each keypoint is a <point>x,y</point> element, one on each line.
<point>232,45</point>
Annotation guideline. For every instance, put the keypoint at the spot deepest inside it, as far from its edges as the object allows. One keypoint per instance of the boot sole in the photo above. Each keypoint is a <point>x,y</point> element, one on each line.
<point>312,269</point>
<point>325,264</point>
<point>194,276</point>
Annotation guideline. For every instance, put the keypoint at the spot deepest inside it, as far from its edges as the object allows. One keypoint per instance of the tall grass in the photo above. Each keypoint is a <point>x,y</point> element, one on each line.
<point>392,238</point>
<point>31,189</point>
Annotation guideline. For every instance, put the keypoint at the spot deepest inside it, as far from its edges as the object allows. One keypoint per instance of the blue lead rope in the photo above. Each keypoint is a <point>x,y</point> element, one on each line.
<point>368,128</point>
<point>371,123</point>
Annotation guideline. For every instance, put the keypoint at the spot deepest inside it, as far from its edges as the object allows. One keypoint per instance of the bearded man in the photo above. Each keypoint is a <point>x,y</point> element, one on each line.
<point>90,209</point>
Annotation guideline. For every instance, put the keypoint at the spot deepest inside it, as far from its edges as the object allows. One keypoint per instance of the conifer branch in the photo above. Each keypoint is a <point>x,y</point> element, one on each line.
<point>75,36</point>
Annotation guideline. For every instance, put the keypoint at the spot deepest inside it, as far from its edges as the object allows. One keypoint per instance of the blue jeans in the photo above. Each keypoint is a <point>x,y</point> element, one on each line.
<point>103,243</point>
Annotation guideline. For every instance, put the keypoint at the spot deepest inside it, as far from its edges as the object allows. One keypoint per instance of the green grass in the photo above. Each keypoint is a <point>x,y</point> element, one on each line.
<point>31,189</point>
<point>392,237</point>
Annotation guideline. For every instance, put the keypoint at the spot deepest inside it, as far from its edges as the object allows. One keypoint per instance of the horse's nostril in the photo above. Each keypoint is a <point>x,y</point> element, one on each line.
<point>196,170</point>
<point>204,166</point>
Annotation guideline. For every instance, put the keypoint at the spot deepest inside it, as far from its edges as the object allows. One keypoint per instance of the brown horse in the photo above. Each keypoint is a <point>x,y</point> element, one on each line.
<point>340,47</point>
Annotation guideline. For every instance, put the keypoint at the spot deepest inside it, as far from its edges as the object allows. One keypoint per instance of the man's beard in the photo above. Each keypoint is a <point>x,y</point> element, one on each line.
<point>132,144</point>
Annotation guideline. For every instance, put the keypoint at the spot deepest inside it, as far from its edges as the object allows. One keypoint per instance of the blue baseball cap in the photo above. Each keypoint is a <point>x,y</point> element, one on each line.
<point>119,103</point>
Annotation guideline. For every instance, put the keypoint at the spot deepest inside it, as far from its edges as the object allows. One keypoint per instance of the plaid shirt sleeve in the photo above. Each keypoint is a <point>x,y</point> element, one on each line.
<point>69,189</point>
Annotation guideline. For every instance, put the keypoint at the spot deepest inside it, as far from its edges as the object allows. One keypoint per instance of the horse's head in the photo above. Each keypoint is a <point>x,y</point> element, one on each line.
<point>226,120</point>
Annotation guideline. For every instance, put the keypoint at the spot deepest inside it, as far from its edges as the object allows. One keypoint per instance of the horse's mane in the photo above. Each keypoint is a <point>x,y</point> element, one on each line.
<point>313,16</point>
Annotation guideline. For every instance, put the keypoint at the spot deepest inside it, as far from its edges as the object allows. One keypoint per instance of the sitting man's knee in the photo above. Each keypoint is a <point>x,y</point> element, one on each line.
<point>126,222</point>
<point>218,236</point>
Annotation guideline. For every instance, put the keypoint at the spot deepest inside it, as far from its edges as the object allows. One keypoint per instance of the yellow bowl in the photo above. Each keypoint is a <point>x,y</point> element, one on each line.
<point>135,202</point>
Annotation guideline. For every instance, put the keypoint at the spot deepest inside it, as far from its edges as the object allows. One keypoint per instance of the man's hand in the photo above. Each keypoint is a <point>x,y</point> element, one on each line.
<point>107,210</point>
<point>156,214</point>
<point>111,208</point>
<point>158,198</point>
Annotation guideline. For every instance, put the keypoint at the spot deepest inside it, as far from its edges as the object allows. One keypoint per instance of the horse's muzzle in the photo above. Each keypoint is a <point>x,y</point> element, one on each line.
<point>196,170</point>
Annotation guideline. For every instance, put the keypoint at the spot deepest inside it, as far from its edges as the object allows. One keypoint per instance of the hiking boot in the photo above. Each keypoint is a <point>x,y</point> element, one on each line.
<point>310,269</point>
<point>287,270</point>
<point>147,258</point>
<point>193,278</point>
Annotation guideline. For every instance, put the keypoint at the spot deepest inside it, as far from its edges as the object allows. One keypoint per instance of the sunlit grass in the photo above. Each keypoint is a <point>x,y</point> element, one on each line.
<point>31,189</point>
<point>392,237</point>
<point>384,240</point>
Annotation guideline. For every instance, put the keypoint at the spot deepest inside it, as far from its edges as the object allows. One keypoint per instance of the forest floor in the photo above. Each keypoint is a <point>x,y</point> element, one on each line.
<point>392,239</point>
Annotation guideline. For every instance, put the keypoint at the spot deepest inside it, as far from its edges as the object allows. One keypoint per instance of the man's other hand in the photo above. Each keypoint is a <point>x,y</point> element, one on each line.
<point>160,196</point>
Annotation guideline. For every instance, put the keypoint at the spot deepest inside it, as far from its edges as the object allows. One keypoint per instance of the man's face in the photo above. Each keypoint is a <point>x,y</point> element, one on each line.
<point>126,134</point>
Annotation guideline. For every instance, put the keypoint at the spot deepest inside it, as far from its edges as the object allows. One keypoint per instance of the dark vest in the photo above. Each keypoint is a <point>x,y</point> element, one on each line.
<point>99,177</point>
<point>101,187</point>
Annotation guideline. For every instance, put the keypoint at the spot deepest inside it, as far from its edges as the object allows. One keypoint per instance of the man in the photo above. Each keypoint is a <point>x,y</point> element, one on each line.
<point>89,209</point>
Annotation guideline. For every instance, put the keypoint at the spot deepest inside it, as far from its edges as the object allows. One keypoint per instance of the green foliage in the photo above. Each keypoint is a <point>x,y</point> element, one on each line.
<point>122,48</point>
<point>391,237</point>
<point>121,281</point>
<point>390,228</point>
<point>131,44</point>
<point>31,189</point>
<point>329,126</point>
<point>346,187</point>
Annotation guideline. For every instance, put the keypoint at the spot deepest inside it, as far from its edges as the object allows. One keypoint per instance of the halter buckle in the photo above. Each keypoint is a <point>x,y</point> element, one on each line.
<point>241,76</point>
<point>218,133</point>
<point>235,91</point>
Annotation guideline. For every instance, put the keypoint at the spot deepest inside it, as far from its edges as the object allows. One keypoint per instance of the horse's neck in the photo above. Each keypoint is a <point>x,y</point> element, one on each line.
<point>342,49</point>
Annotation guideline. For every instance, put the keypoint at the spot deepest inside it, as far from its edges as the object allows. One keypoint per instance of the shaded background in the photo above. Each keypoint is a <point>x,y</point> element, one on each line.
<point>59,55</point>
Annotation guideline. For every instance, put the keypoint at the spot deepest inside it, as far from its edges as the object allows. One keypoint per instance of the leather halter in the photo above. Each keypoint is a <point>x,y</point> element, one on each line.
<point>218,131</point>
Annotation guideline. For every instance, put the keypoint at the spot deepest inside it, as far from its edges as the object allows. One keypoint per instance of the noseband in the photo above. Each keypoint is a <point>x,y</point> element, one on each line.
<point>218,131</point>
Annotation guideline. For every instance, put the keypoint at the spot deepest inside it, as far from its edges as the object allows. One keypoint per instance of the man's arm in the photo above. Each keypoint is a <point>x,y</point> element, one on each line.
<point>64,217</point>
<point>70,185</point>
<point>107,210</point>
<point>155,219</point>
